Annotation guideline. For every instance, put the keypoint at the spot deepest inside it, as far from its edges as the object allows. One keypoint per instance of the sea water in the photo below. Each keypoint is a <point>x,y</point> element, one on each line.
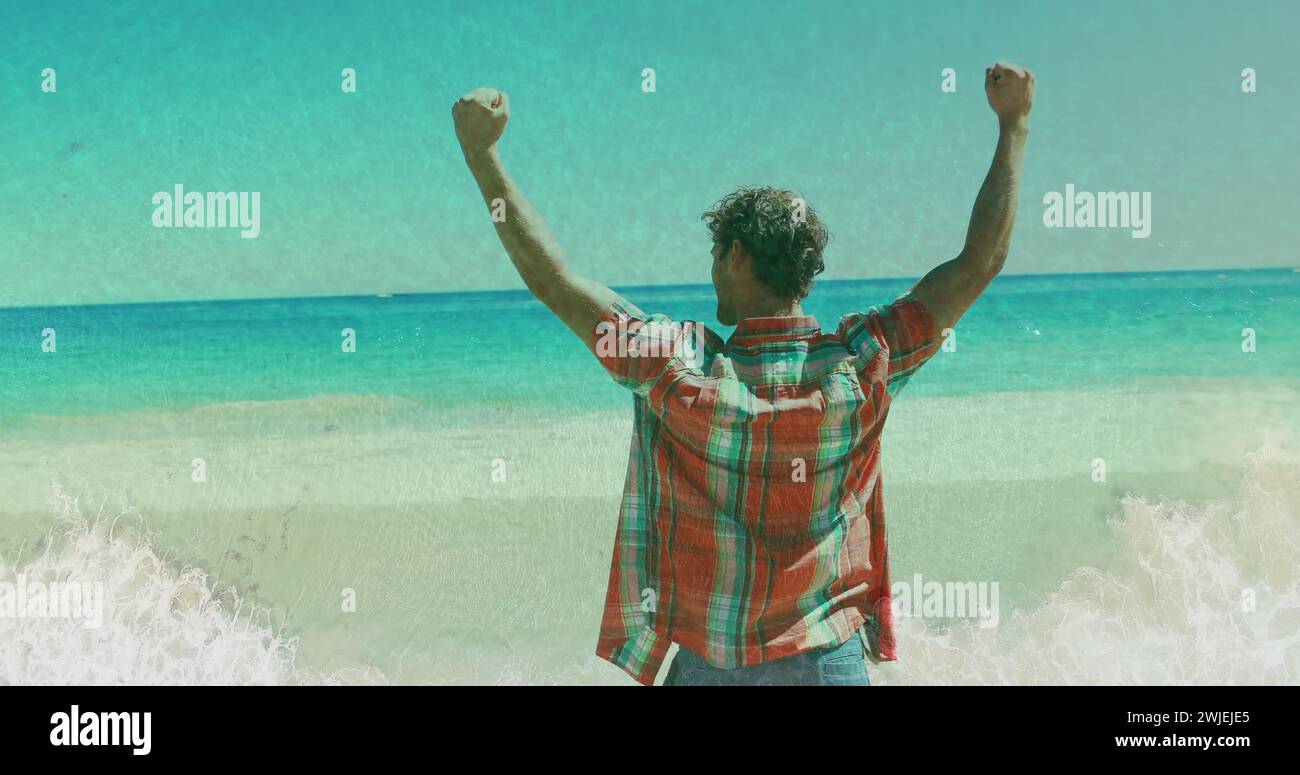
<point>989,456</point>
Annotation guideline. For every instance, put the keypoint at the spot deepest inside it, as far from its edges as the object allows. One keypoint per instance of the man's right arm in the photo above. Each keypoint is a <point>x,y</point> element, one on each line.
<point>952,287</point>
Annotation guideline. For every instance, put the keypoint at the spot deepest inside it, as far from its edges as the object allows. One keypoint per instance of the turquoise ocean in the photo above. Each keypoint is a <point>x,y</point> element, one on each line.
<point>330,476</point>
<point>504,347</point>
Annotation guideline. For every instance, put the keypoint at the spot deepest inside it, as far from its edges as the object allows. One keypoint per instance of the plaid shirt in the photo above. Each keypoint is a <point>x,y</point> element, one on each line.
<point>752,525</point>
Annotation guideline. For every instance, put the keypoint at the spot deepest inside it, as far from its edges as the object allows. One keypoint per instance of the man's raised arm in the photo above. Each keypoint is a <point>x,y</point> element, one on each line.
<point>952,287</point>
<point>480,117</point>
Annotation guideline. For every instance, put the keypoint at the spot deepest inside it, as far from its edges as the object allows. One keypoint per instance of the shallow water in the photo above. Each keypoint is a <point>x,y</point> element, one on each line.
<point>457,578</point>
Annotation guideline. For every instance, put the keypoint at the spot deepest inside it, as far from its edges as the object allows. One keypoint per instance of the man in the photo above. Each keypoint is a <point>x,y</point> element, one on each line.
<point>752,527</point>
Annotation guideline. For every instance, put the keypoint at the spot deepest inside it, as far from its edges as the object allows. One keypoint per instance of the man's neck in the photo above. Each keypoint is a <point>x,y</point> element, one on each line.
<point>775,309</point>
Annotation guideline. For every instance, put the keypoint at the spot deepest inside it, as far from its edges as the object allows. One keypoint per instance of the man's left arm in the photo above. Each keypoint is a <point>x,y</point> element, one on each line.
<point>480,117</point>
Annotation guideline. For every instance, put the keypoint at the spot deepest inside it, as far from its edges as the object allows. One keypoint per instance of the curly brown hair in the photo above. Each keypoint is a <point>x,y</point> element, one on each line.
<point>787,248</point>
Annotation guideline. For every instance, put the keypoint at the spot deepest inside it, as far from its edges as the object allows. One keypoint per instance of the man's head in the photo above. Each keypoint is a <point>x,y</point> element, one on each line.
<point>767,247</point>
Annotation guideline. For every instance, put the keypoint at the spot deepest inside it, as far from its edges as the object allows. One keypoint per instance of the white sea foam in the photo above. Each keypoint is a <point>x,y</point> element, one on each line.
<point>161,625</point>
<point>1204,594</point>
<point>1200,594</point>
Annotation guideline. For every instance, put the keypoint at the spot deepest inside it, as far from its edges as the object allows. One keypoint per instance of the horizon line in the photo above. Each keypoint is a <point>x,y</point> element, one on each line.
<point>525,291</point>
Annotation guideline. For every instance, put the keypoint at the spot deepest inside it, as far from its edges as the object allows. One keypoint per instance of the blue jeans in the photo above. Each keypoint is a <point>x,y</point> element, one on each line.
<point>842,665</point>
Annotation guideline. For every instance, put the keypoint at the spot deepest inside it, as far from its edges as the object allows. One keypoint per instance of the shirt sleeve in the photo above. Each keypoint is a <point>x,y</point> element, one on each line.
<point>903,328</point>
<point>639,349</point>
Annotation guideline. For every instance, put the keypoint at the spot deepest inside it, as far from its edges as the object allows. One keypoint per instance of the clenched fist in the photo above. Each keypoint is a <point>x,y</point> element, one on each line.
<point>1010,89</point>
<point>480,118</point>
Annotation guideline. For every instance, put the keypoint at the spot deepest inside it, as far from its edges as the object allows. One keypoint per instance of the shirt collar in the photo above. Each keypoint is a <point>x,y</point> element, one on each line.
<point>757,330</point>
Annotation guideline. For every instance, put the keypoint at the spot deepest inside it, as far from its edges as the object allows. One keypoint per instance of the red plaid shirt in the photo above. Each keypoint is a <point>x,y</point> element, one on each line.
<point>752,525</point>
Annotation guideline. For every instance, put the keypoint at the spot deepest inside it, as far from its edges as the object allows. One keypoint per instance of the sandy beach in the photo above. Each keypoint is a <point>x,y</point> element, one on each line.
<point>462,576</point>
